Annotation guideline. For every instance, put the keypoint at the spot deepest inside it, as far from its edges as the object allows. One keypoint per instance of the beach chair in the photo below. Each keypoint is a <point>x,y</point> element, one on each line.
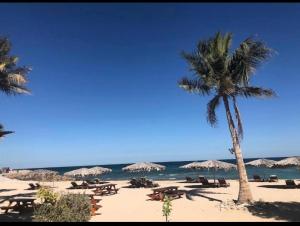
<point>75,185</point>
<point>206,183</point>
<point>134,183</point>
<point>223,182</point>
<point>291,184</point>
<point>91,181</point>
<point>32,186</point>
<point>150,184</point>
<point>273,178</point>
<point>191,180</point>
<point>257,178</point>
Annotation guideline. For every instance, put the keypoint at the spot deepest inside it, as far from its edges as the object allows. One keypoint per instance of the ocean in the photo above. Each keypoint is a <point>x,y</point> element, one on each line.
<point>173,172</point>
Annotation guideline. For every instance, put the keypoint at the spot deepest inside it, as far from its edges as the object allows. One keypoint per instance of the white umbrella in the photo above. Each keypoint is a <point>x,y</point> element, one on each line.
<point>144,166</point>
<point>261,163</point>
<point>210,164</point>
<point>288,162</point>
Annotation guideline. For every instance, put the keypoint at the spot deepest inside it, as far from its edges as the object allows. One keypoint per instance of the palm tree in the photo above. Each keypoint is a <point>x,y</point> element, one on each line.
<point>227,76</point>
<point>12,77</point>
<point>2,132</point>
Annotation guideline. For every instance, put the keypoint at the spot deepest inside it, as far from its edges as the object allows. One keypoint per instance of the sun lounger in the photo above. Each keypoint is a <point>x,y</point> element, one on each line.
<point>223,182</point>
<point>273,178</point>
<point>32,186</point>
<point>257,178</point>
<point>191,180</point>
<point>79,186</point>
<point>205,182</point>
<point>291,184</point>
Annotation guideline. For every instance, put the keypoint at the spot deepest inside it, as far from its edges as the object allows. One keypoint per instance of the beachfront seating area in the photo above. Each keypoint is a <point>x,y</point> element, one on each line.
<point>272,178</point>
<point>291,184</point>
<point>142,183</point>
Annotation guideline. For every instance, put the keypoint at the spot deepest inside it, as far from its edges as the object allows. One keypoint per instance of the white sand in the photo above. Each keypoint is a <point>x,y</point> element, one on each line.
<point>130,204</point>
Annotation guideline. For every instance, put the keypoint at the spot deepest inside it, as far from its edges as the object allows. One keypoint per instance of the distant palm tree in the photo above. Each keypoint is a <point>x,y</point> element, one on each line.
<point>12,77</point>
<point>227,75</point>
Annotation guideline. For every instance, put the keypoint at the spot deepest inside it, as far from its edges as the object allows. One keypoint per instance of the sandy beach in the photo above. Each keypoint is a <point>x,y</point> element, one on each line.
<point>198,204</point>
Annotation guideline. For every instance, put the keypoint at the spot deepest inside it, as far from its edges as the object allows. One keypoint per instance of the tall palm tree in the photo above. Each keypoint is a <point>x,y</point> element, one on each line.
<point>12,78</point>
<point>227,75</point>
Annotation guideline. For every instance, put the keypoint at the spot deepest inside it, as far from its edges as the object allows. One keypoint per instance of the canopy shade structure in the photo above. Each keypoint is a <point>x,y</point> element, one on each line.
<point>88,172</point>
<point>267,163</point>
<point>210,164</point>
<point>97,170</point>
<point>144,166</point>
<point>78,172</point>
<point>2,132</point>
<point>287,162</point>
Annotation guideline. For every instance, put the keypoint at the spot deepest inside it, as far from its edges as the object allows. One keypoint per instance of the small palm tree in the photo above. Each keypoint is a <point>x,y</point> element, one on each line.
<point>12,77</point>
<point>227,75</point>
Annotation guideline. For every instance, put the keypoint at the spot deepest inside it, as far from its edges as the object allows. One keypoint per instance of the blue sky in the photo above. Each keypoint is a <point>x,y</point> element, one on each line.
<point>104,83</point>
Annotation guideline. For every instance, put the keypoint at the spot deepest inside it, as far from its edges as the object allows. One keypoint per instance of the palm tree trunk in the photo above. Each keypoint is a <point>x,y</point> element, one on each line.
<point>244,190</point>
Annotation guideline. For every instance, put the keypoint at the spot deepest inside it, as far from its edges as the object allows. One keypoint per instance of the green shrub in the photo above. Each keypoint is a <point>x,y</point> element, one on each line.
<point>166,209</point>
<point>47,195</point>
<point>68,208</point>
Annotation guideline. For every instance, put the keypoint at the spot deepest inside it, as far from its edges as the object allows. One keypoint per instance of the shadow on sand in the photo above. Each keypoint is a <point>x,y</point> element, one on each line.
<point>6,190</point>
<point>288,211</point>
<point>200,193</point>
<point>16,217</point>
<point>277,186</point>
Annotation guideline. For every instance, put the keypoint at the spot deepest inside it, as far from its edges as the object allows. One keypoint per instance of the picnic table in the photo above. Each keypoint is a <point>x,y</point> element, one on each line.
<point>106,189</point>
<point>22,203</point>
<point>160,193</point>
<point>94,204</point>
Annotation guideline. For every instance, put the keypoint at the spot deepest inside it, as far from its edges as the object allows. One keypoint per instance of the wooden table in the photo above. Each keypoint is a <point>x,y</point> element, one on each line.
<point>106,189</point>
<point>160,193</point>
<point>21,204</point>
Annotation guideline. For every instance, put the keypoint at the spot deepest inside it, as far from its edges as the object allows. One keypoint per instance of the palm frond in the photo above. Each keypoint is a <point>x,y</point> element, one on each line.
<point>211,110</point>
<point>238,118</point>
<point>246,59</point>
<point>251,91</point>
<point>194,86</point>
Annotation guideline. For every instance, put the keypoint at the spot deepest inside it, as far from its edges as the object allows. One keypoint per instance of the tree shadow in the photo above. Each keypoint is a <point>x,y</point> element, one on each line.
<point>5,190</point>
<point>279,210</point>
<point>200,193</point>
<point>16,217</point>
<point>278,186</point>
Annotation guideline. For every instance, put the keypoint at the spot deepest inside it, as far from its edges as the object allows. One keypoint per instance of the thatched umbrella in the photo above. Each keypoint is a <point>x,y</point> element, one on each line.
<point>267,163</point>
<point>97,170</point>
<point>2,132</point>
<point>44,174</point>
<point>143,167</point>
<point>210,164</point>
<point>287,162</point>
<point>78,172</point>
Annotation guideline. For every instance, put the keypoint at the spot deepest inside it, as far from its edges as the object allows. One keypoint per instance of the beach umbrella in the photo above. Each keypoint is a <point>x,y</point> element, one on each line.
<point>97,170</point>
<point>78,172</point>
<point>267,163</point>
<point>210,164</point>
<point>44,174</point>
<point>143,167</point>
<point>2,132</point>
<point>287,162</point>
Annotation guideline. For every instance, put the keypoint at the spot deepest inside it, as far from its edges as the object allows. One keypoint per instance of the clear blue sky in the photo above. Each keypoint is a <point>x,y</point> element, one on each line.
<point>104,83</point>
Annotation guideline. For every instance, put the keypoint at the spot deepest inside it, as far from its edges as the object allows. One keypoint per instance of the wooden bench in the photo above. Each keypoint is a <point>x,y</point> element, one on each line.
<point>21,204</point>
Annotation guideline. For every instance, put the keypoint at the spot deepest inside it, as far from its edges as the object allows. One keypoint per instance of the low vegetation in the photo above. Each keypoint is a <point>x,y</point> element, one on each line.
<point>67,208</point>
